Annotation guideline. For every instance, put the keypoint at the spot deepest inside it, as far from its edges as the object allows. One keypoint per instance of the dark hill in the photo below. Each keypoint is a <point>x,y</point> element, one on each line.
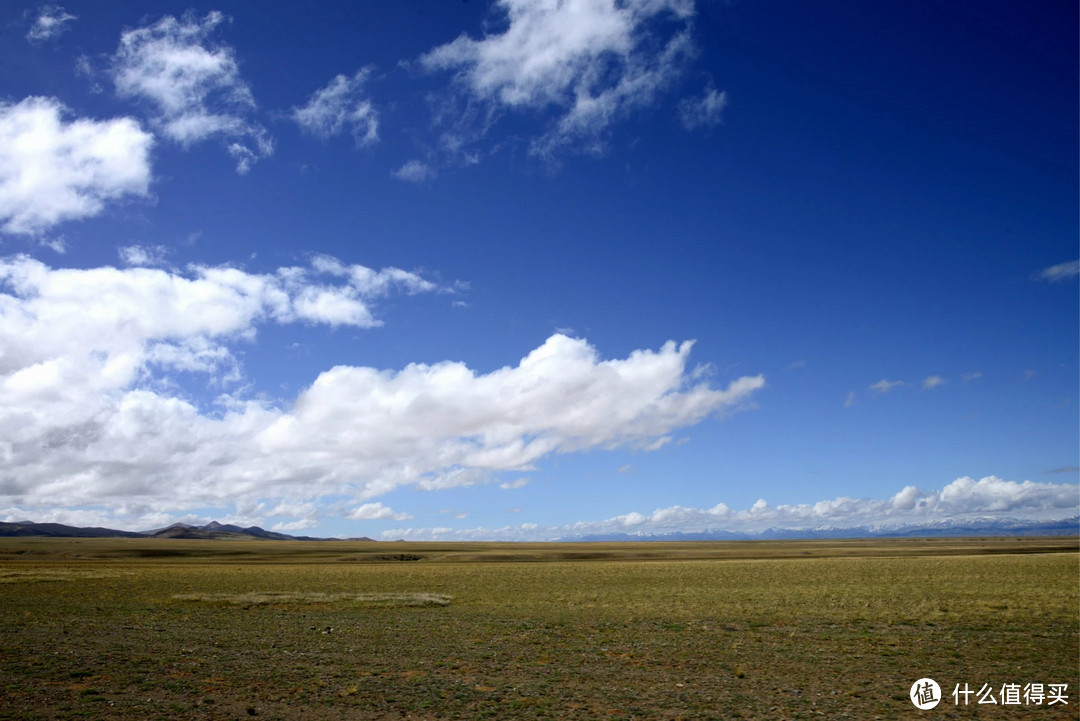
<point>215,530</point>
<point>212,530</point>
<point>59,530</point>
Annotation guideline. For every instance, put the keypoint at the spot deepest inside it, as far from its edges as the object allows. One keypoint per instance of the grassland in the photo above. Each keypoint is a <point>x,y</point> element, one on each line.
<point>144,629</point>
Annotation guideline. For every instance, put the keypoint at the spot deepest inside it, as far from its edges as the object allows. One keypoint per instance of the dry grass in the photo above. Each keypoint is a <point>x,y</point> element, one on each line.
<point>708,632</point>
<point>292,598</point>
<point>36,575</point>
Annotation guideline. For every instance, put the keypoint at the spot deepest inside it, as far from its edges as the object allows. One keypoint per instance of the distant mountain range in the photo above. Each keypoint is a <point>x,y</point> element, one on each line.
<point>29,528</point>
<point>934,529</point>
<point>212,530</point>
<point>223,531</point>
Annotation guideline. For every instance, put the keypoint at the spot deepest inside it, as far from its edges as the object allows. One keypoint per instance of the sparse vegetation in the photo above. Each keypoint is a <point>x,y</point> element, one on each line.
<point>697,631</point>
<point>288,598</point>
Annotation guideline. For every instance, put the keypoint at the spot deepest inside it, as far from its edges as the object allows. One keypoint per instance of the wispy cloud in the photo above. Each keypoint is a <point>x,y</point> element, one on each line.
<point>292,526</point>
<point>54,170</point>
<point>414,171</point>
<point>885,385</point>
<point>514,484</point>
<point>967,377</point>
<point>933,382</point>
<point>376,511</point>
<point>51,21</point>
<point>850,400</point>
<point>703,111</point>
<point>1060,272</point>
<point>1066,469</point>
<point>57,245</point>
<point>589,59</point>
<point>141,255</point>
<point>339,106</point>
<point>193,85</point>
<point>963,498</point>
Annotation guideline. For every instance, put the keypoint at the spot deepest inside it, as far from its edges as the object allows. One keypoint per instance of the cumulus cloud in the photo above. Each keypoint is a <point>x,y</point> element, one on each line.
<point>340,106</point>
<point>963,498</point>
<point>85,421</point>
<point>101,328</point>
<point>885,385</point>
<point>591,60</point>
<point>50,23</point>
<point>414,171</point>
<point>193,85</point>
<point>53,170</point>
<point>933,382</point>
<point>1060,272</point>
<point>443,425</point>
<point>703,111</point>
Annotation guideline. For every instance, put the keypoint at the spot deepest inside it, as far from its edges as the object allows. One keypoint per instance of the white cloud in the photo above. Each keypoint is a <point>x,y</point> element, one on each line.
<point>933,382</point>
<point>593,60</point>
<point>443,425</point>
<point>414,171</point>
<point>141,255</point>
<point>85,421</point>
<point>964,498</point>
<point>971,376</point>
<point>194,86</point>
<point>850,400</point>
<point>106,325</point>
<point>966,495</point>
<point>456,476</point>
<point>515,484</point>
<point>49,23</point>
<point>703,111</point>
<point>376,511</point>
<point>338,106</point>
<point>52,171</point>
<point>1060,272</point>
<point>884,385</point>
<point>301,525</point>
<point>655,445</point>
<point>57,245</point>
<point>370,282</point>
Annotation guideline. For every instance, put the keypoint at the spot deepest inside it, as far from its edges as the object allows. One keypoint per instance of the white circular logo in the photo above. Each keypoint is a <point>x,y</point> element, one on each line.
<point>925,694</point>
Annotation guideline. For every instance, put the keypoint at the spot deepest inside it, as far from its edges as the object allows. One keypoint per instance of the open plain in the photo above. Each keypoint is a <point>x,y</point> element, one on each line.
<point>175,629</point>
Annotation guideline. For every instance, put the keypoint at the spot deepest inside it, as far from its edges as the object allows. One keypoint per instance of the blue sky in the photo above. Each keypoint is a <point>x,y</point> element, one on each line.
<point>528,269</point>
